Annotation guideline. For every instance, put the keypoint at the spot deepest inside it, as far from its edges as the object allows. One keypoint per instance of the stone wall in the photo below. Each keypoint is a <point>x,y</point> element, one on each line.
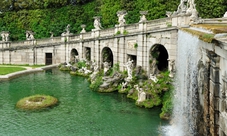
<point>121,40</point>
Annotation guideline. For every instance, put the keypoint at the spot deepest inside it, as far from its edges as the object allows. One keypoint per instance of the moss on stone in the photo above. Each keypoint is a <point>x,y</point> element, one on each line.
<point>202,35</point>
<point>36,102</point>
<point>215,28</point>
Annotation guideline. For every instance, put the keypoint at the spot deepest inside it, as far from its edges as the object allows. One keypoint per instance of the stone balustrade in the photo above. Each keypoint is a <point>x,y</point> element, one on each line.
<point>215,21</point>
<point>125,29</point>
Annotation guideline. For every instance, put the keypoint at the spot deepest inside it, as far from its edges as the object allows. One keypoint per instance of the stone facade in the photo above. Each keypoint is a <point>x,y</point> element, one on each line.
<point>121,40</point>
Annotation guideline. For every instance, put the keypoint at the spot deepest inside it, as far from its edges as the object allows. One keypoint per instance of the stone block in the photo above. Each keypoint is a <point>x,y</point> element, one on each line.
<point>214,74</point>
<point>214,89</point>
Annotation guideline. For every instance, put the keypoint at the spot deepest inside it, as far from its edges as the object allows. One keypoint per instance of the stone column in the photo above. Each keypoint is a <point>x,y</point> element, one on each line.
<point>214,93</point>
<point>143,20</point>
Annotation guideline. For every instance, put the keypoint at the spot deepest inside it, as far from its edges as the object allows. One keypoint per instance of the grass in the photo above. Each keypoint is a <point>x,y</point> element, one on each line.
<point>6,70</point>
<point>36,102</point>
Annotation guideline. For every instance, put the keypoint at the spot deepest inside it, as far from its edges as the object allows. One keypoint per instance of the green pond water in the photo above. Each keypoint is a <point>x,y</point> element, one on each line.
<point>81,112</point>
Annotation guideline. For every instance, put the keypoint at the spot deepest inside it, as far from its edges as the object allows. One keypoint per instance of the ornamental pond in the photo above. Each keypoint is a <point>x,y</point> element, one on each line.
<point>81,112</point>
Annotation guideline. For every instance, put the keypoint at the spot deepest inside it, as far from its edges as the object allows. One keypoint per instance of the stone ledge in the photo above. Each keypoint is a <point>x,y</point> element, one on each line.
<point>16,74</point>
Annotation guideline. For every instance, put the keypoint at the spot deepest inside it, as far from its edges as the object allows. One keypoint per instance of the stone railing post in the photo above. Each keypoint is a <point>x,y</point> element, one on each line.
<point>97,27</point>
<point>5,39</point>
<point>143,20</point>
<point>121,20</point>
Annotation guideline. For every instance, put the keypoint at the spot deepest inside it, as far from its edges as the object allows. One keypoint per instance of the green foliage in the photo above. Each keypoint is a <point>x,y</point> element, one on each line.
<point>81,64</point>
<point>167,103</point>
<point>125,32</point>
<point>118,32</point>
<point>45,16</point>
<point>95,86</point>
<point>211,8</point>
<point>135,45</point>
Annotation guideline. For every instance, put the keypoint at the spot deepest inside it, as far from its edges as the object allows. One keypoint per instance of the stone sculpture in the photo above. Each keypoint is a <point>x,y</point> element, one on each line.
<point>171,68</point>
<point>124,85</point>
<point>143,16</point>
<point>83,28</point>
<point>169,13</point>
<point>191,7</point>
<point>154,68</point>
<point>110,80</point>
<point>30,35</point>
<point>106,66</point>
<point>97,24</point>
<point>95,72</point>
<point>121,17</point>
<point>182,7</point>
<point>51,34</point>
<point>225,15</point>
<point>141,94</point>
<point>5,36</point>
<point>153,78</point>
<point>84,70</point>
<point>67,29</point>
<point>129,66</point>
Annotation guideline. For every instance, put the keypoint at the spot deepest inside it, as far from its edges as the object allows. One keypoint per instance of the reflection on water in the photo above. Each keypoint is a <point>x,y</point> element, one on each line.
<point>81,112</point>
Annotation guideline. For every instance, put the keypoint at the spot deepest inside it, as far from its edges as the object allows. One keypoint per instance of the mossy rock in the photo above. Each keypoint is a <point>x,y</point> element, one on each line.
<point>36,102</point>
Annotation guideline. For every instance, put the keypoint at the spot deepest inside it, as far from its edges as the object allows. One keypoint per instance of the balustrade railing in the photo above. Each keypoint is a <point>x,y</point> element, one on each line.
<point>107,32</point>
<point>131,28</point>
<point>128,29</point>
<point>159,23</point>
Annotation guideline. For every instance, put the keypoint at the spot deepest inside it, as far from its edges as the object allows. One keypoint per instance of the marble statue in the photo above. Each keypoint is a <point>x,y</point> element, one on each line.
<point>95,69</point>
<point>106,66</point>
<point>121,17</point>
<point>124,85</point>
<point>83,28</point>
<point>182,6</point>
<point>171,68</point>
<point>67,29</point>
<point>94,73</point>
<point>225,15</point>
<point>143,16</point>
<point>97,24</point>
<point>29,35</point>
<point>129,66</point>
<point>141,94</point>
<point>154,68</point>
<point>191,7</point>
<point>169,13</point>
<point>5,36</point>
<point>84,70</point>
<point>51,34</point>
<point>153,78</point>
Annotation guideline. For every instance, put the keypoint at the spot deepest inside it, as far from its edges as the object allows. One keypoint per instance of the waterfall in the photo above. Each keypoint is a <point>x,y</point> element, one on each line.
<point>183,122</point>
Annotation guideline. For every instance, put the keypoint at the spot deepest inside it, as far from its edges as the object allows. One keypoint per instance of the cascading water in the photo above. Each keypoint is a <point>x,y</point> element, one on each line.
<point>186,93</point>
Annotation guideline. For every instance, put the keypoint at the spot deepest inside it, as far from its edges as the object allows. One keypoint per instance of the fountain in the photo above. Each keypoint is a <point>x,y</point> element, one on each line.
<point>186,92</point>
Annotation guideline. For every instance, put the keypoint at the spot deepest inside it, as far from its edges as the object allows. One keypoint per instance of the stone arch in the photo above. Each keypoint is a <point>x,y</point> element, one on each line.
<point>73,55</point>
<point>107,55</point>
<point>158,57</point>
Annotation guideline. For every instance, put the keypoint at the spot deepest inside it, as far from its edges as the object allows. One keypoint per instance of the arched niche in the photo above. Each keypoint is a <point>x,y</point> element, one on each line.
<point>73,55</point>
<point>107,55</point>
<point>159,54</point>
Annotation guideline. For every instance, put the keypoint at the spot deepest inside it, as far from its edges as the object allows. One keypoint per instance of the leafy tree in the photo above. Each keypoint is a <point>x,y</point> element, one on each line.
<point>208,10</point>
